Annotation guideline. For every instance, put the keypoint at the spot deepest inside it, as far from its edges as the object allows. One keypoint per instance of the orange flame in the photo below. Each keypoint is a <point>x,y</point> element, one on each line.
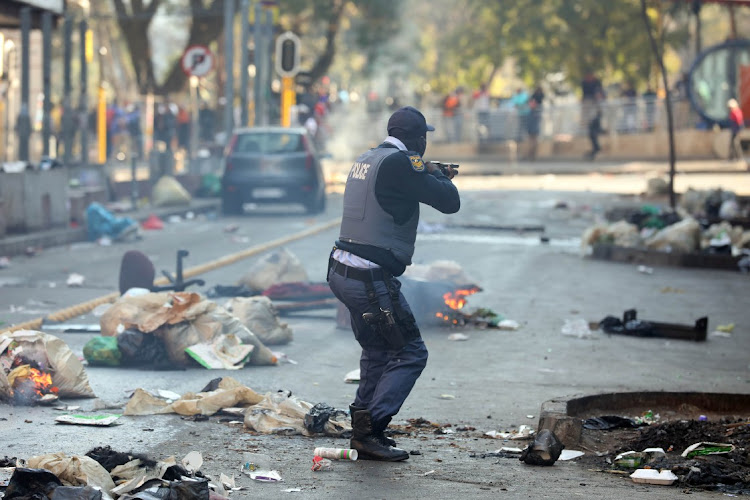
<point>456,300</point>
<point>42,382</point>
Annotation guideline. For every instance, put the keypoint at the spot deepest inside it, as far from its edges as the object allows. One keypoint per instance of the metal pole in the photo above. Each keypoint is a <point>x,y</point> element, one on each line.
<point>67,118</point>
<point>229,68</point>
<point>267,44</point>
<point>83,101</point>
<point>46,74</point>
<point>24,118</point>
<point>258,61</point>
<point>245,23</point>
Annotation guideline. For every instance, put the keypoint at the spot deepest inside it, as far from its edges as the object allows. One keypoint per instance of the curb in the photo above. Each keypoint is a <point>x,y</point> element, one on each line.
<point>17,244</point>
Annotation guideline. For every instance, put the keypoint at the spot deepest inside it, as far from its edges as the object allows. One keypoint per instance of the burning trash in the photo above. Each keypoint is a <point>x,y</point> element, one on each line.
<point>36,368</point>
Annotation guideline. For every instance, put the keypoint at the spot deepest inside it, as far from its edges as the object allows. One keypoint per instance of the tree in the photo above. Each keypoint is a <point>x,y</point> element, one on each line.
<point>134,20</point>
<point>319,22</point>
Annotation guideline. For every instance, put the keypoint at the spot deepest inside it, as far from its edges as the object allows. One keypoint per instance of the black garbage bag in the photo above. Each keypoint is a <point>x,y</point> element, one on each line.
<point>185,489</point>
<point>109,458</point>
<point>545,450</point>
<point>635,327</point>
<point>75,493</point>
<point>316,418</point>
<point>607,422</point>
<point>31,484</point>
<point>143,349</point>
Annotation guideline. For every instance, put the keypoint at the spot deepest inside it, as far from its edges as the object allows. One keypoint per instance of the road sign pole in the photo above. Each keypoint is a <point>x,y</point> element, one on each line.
<point>288,98</point>
<point>229,69</point>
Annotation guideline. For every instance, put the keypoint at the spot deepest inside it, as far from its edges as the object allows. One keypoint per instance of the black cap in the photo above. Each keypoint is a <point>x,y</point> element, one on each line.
<point>409,121</point>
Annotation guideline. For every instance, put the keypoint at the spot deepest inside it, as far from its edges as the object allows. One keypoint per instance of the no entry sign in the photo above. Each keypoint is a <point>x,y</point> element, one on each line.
<point>197,61</point>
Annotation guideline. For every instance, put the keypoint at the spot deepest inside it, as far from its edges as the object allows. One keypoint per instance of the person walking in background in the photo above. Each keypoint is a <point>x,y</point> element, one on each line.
<point>451,110</point>
<point>481,99</point>
<point>736,123</point>
<point>534,121</point>
<point>592,93</point>
<point>649,99</point>
<point>629,108</point>
<point>183,128</point>
<point>520,102</point>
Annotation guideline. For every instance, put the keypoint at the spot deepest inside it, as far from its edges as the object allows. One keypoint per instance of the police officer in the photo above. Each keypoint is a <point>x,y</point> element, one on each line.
<point>378,230</point>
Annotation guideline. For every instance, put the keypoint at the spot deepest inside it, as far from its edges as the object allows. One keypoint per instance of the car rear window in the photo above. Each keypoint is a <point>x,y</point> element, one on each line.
<point>269,143</point>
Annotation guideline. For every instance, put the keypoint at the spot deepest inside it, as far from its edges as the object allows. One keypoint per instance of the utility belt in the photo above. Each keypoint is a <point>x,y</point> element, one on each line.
<point>395,324</point>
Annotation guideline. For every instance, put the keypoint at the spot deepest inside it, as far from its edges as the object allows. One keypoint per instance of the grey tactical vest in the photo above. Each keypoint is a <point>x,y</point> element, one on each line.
<point>364,221</point>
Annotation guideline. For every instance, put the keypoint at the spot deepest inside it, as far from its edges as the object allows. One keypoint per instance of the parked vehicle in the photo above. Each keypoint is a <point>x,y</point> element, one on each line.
<point>272,165</point>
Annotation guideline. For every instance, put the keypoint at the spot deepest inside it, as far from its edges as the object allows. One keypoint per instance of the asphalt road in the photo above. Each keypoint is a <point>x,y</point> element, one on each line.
<point>498,379</point>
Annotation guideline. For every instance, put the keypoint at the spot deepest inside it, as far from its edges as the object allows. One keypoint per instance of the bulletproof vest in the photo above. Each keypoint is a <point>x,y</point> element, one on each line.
<point>364,221</point>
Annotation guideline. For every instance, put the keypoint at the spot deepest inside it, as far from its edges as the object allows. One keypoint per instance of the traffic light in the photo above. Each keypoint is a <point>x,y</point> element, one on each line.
<point>287,54</point>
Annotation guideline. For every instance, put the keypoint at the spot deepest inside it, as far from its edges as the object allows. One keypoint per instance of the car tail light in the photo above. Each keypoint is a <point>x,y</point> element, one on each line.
<point>230,147</point>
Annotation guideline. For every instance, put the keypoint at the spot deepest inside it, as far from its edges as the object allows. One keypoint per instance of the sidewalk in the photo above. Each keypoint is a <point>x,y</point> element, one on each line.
<point>17,244</point>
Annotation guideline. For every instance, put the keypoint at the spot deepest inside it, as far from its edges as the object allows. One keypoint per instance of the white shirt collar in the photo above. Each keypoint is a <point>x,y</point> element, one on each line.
<point>396,142</point>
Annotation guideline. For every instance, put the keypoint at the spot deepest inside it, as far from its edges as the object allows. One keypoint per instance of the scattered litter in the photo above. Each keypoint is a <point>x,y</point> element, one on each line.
<point>292,490</point>
<point>509,449</point>
<point>578,328</point>
<point>720,334</point>
<point>226,352</point>
<point>645,270</point>
<point>428,472</point>
<point>283,358</point>
<point>95,420</point>
<point>607,422</point>
<point>231,228</point>
<point>318,417</point>
<point>652,476</point>
<point>352,377</point>
<point>529,416</point>
<point>508,324</point>
<point>545,450</point>
<point>67,408</point>
<point>174,219</point>
<point>75,280</point>
<point>192,462</point>
<point>447,396</point>
<point>523,432</point>
<point>320,463</point>
<point>707,449</point>
<point>726,328</point>
<point>168,395</point>
<point>570,454</point>
<point>458,336</point>
<point>153,223</point>
<point>4,262</point>
<point>266,476</point>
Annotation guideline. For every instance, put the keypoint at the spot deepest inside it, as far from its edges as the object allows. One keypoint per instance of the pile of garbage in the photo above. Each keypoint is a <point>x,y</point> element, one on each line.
<point>105,473</point>
<point>271,413</point>
<point>689,453</point>
<point>177,329</point>
<point>684,232</point>
<point>37,368</point>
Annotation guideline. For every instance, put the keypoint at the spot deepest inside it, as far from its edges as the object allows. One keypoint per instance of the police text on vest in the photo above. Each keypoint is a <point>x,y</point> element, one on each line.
<point>359,170</point>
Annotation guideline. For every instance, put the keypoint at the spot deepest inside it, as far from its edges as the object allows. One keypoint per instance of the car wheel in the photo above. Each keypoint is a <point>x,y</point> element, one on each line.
<point>231,205</point>
<point>318,205</point>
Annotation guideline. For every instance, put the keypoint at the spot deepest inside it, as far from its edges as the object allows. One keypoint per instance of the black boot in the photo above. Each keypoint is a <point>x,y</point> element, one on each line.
<point>368,444</point>
<point>385,440</point>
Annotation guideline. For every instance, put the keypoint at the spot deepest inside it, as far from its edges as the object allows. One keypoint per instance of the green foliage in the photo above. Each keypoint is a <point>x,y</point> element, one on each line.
<point>549,36</point>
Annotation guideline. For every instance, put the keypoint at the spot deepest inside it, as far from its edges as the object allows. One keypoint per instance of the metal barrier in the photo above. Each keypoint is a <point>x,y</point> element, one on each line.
<point>618,116</point>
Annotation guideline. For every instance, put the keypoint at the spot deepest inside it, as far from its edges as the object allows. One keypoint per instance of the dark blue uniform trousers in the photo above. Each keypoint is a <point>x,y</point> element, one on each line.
<point>387,376</point>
